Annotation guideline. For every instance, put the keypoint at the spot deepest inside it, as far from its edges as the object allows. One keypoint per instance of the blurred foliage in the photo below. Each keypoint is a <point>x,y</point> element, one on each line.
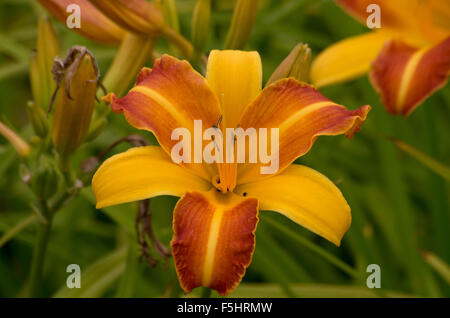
<point>399,206</point>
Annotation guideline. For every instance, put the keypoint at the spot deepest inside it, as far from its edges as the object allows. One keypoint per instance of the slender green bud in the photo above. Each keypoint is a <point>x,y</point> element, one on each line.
<point>42,84</point>
<point>244,16</point>
<point>169,9</point>
<point>38,119</point>
<point>134,52</point>
<point>44,181</point>
<point>77,78</point>
<point>297,64</point>
<point>171,14</point>
<point>200,25</point>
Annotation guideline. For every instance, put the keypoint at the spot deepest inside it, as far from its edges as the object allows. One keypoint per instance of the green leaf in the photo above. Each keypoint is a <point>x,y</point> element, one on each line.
<point>12,232</point>
<point>441,267</point>
<point>313,247</point>
<point>424,159</point>
<point>98,277</point>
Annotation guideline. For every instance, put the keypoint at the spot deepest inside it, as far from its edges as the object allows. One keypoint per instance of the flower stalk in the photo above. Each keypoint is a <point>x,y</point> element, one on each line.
<point>39,252</point>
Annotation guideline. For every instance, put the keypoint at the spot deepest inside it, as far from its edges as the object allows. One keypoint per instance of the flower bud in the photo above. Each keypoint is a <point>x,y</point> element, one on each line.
<point>133,53</point>
<point>140,16</point>
<point>297,65</point>
<point>77,78</point>
<point>42,84</point>
<point>38,119</point>
<point>18,143</point>
<point>200,25</point>
<point>93,24</point>
<point>44,181</point>
<point>169,8</point>
<point>244,16</point>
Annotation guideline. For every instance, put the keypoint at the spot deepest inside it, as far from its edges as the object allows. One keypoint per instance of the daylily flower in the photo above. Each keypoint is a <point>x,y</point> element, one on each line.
<point>215,220</point>
<point>408,57</point>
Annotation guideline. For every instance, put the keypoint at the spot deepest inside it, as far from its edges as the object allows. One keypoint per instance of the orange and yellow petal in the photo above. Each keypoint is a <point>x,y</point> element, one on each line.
<point>394,14</point>
<point>171,95</point>
<point>141,173</point>
<point>416,21</point>
<point>405,76</point>
<point>214,239</point>
<point>306,197</point>
<point>301,114</point>
<point>94,24</point>
<point>347,59</point>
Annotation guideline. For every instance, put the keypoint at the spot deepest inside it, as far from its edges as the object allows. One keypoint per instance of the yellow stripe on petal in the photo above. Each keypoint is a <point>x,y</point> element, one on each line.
<point>236,78</point>
<point>214,239</point>
<point>142,173</point>
<point>347,59</point>
<point>307,198</point>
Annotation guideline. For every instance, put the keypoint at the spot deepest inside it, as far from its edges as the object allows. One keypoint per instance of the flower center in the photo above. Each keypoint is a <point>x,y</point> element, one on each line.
<point>226,180</point>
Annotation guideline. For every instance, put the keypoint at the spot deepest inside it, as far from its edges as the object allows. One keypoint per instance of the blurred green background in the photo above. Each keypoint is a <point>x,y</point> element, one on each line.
<point>400,208</point>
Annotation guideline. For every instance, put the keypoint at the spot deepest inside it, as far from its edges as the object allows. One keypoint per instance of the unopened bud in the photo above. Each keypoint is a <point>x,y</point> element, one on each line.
<point>38,119</point>
<point>87,20</point>
<point>142,17</point>
<point>77,78</point>
<point>133,53</point>
<point>138,16</point>
<point>42,84</point>
<point>297,65</point>
<point>200,25</point>
<point>244,16</point>
<point>18,143</point>
<point>44,181</point>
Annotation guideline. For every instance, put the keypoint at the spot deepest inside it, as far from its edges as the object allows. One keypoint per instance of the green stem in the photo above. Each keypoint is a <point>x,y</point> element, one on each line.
<point>206,292</point>
<point>179,41</point>
<point>37,263</point>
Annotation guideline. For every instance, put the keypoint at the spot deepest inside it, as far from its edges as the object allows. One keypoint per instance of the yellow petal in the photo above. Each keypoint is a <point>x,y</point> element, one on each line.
<point>236,78</point>
<point>347,59</point>
<point>142,173</point>
<point>306,197</point>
